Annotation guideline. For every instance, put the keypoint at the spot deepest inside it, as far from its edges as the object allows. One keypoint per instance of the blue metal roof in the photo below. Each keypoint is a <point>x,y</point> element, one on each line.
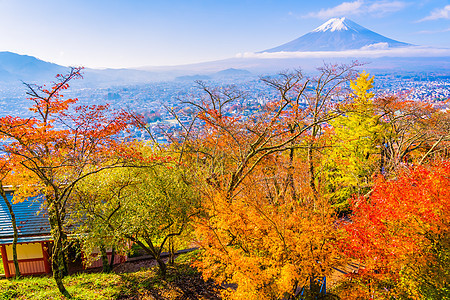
<point>31,220</point>
<point>29,239</point>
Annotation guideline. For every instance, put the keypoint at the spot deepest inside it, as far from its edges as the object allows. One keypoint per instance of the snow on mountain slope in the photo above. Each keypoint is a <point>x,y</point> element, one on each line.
<point>332,25</point>
<point>338,34</point>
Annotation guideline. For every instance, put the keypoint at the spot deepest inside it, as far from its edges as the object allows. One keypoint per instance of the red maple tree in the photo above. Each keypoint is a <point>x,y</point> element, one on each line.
<point>401,234</point>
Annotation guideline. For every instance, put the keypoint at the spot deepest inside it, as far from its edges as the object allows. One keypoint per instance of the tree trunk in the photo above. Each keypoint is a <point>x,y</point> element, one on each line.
<point>58,279</point>
<point>156,253</point>
<point>59,266</point>
<point>113,253</point>
<point>58,269</point>
<point>312,176</point>
<point>16,235</point>
<point>162,267</point>
<point>382,157</point>
<point>290,176</point>
<point>171,251</point>
<point>105,261</point>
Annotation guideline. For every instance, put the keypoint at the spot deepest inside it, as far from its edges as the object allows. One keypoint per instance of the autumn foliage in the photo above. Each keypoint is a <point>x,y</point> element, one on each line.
<point>55,148</point>
<point>268,248</point>
<point>325,175</point>
<point>401,235</point>
<point>265,229</point>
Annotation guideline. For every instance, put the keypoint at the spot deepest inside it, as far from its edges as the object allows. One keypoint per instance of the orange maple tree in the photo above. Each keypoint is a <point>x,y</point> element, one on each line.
<point>56,147</point>
<point>401,236</point>
<point>265,226</point>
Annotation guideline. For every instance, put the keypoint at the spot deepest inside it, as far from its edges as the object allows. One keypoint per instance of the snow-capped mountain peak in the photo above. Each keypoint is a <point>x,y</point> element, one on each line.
<point>338,34</point>
<point>334,24</point>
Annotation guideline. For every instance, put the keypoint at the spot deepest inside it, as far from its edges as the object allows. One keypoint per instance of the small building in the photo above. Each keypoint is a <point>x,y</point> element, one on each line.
<point>34,242</point>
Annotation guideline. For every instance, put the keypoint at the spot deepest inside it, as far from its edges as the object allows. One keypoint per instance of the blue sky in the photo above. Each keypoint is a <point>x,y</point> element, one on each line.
<point>132,33</point>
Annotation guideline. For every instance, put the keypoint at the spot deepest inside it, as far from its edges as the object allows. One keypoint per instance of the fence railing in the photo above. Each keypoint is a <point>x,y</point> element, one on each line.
<point>317,289</point>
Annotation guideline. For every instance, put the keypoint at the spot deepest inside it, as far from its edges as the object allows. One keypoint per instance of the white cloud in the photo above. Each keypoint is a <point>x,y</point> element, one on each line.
<point>383,7</point>
<point>433,31</point>
<point>376,46</point>
<point>345,8</point>
<point>358,7</point>
<point>443,13</point>
<point>413,51</point>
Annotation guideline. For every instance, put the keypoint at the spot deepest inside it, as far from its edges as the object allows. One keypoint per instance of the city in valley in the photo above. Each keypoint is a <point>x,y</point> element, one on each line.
<point>153,99</point>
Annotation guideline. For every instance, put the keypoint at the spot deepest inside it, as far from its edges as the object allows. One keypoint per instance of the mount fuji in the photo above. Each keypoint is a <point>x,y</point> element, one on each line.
<point>339,34</point>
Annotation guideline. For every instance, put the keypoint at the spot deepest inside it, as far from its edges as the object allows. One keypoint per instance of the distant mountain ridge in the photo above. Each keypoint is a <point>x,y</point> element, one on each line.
<point>338,34</point>
<point>230,73</point>
<point>15,68</point>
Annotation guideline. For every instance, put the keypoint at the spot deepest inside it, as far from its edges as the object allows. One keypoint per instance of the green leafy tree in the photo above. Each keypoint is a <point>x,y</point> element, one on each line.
<point>353,157</point>
<point>147,205</point>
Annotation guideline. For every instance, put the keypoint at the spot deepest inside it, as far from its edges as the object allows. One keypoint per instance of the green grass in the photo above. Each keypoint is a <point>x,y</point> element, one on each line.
<point>83,286</point>
<point>145,284</point>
